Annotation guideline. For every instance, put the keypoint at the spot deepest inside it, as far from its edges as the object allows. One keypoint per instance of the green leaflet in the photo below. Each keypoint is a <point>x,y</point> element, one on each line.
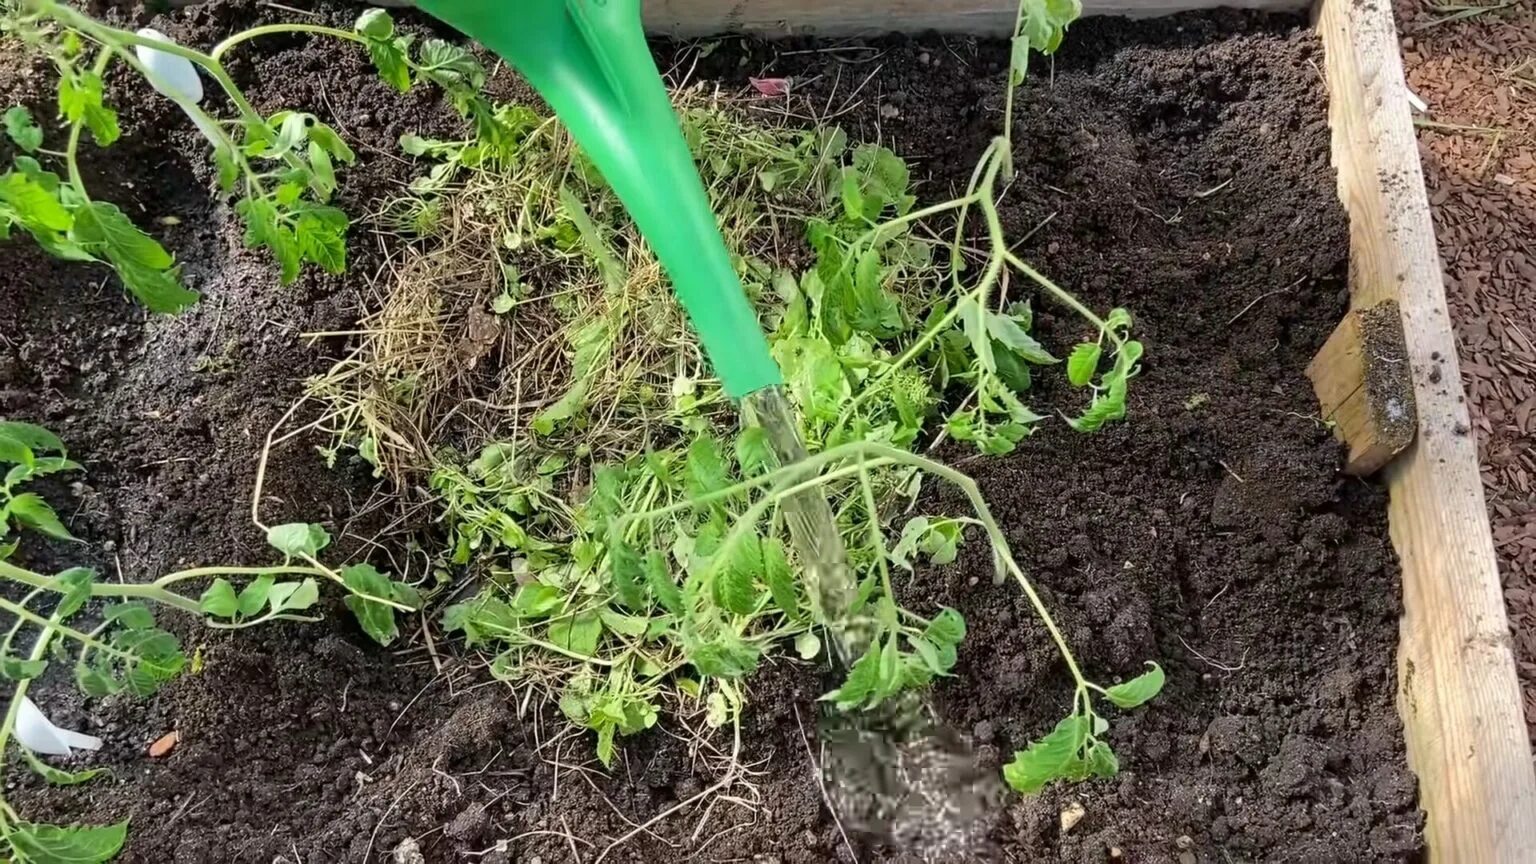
<point>147,270</point>
<point>80,95</point>
<point>21,129</point>
<point>1138,690</point>
<point>1083,363</point>
<point>56,844</point>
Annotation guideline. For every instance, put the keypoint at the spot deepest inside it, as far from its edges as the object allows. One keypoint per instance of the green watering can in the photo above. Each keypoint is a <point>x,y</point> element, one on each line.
<point>589,60</point>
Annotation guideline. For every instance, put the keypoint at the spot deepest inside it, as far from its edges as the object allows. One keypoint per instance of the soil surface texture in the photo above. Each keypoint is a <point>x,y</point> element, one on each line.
<point>1477,77</point>
<point>1177,167</point>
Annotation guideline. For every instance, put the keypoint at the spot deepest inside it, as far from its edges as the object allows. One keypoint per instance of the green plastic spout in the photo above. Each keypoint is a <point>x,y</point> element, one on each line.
<point>590,62</point>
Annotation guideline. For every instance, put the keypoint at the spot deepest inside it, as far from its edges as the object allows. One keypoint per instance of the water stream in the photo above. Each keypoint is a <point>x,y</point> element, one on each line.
<point>894,773</point>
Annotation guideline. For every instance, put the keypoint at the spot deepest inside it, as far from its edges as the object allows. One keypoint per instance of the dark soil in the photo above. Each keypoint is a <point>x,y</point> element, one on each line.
<point>1176,167</point>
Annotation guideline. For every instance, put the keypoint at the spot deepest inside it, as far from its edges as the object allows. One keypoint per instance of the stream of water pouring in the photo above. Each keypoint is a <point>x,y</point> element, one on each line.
<point>893,772</point>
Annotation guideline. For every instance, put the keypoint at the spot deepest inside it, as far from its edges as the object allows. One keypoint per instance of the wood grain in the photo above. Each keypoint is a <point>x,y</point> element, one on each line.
<point>1364,386</point>
<point>1457,690</point>
<point>863,17</point>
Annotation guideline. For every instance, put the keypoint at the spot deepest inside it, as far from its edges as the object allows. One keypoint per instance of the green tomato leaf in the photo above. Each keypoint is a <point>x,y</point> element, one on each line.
<point>300,539</point>
<point>16,669</point>
<point>219,600</point>
<point>263,227</point>
<point>57,844</point>
<point>1138,690</point>
<point>58,776</point>
<point>1057,756</point>
<point>1007,331</point>
<point>658,577</point>
<point>753,452</point>
<point>537,600</point>
<point>31,436</point>
<point>628,574</point>
<point>779,578</point>
<point>77,583</point>
<point>863,681</point>
<point>141,262</point>
<point>1083,363</point>
<point>293,596</point>
<point>375,24</point>
<point>21,128</point>
<point>33,204</point>
<point>947,628</point>
<point>706,467</point>
<point>253,597</point>
<point>31,511</point>
<point>226,166</point>
<point>377,619</point>
<point>1102,761</point>
<point>578,634</point>
<point>320,239</point>
<point>725,657</point>
<point>80,102</point>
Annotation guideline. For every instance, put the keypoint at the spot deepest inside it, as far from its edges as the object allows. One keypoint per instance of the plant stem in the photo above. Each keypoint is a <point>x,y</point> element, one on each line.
<point>39,649</point>
<point>52,625</point>
<point>222,48</point>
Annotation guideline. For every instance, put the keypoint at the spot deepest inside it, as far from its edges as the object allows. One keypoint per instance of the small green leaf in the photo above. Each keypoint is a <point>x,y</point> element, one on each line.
<point>321,235</point>
<point>753,452</point>
<point>947,628</point>
<point>131,615</point>
<point>1083,363</point>
<point>862,682</point>
<point>297,539</point>
<point>141,262</point>
<point>578,634</point>
<point>15,669</point>
<point>388,56</point>
<point>706,467</point>
<point>1007,331</point>
<point>1102,761</point>
<point>726,657</point>
<point>253,597</point>
<point>34,205</point>
<point>1138,690</point>
<point>1057,756</point>
<point>628,574</point>
<point>21,128</point>
<point>779,578</point>
<point>56,844</point>
<point>658,577</point>
<point>226,166</point>
<point>632,626</point>
<point>31,436</point>
<point>77,584</point>
<point>293,596</point>
<point>377,619</point>
<point>375,24</point>
<point>58,776</point>
<point>80,102</point>
<point>734,580</point>
<point>219,600</point>
<point>31,511</point>
<point>537,600</point>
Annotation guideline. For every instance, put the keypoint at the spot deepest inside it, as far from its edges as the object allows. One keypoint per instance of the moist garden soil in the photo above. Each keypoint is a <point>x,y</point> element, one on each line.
<point>1178,167</point>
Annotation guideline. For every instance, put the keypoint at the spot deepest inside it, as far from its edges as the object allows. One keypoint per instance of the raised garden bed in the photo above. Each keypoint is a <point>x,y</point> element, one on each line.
<point>1182,167</point>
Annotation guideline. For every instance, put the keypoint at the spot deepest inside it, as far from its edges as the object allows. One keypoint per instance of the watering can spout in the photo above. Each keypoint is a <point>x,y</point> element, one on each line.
<point>590,62</point>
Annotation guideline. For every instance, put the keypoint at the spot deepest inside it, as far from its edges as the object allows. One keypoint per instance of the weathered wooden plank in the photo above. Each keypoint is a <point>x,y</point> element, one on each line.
<point>1457,690</point>
<point>864,17</point>
<point>1364,386</point>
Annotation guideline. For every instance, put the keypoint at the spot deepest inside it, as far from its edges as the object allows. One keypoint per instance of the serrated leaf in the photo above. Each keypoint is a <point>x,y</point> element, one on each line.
<point>31,511</point>
<point>80,102</point>
<point>1102,761</point>
<point>56,844</point>
<point>1138,690</point>
<point>76,582</point>
<point>862,682</point>
<point>450,66</point>
<point>632,626</point>
<point>94,682</point>
<point>1057,756</point>
<point>320,242</point>
<point>376,619</point>
<point>263,227</point>
<point>753,452</point>
<point>22,129</point>
<point>58,776</point>
<point>17,669</point>
<point>779,578</point>
<point>537,600</point>
<point>130,615</point>
<point>930,655</point>
<point>706,467</point>
<point>219,600</point>
<point>1083,363</point>
<point>31,436</point>
<point>296,539</point>
<point>734,582</point>
<point>388,56</point>
<point>141,262</point>
<point>658,577</point>
<point>946,628</point>
<point>1007,331</point>
<point>34,206</point>
<point>226,166</point>
<point>628,574</point>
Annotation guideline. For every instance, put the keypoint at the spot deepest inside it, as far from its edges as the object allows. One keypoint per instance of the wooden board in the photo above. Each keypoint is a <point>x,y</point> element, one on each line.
<point>1457,690</point>
<point>854,17</point>
<point>1364,386</point>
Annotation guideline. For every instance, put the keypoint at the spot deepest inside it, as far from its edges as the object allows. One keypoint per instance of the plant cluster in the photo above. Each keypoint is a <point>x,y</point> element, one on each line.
<point>630,576</point>
<point>123,649</point>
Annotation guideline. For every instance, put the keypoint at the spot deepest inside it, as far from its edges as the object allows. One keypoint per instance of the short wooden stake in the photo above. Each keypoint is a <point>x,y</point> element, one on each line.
<point>1364,385</point>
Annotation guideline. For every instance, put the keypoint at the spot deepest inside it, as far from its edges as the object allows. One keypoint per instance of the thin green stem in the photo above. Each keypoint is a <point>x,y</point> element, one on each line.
<point>222,48</point>
<point>49,624</point>
<point>877,541</point>
<point>1018,27</point>
<point>39,650</point>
